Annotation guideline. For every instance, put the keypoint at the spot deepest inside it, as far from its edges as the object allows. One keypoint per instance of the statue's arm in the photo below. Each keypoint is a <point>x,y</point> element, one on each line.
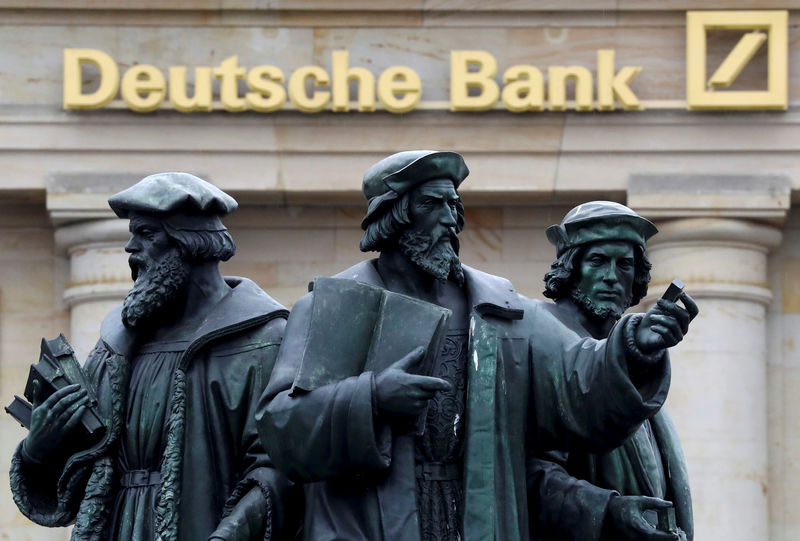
<point>39,488</point>
<point>264,503</point>
<point>563,507</point>
<point>584,395</point>
<point>330,431</point>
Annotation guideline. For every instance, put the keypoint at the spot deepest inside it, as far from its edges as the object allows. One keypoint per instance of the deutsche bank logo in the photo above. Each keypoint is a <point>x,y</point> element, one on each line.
<point>763,28</point>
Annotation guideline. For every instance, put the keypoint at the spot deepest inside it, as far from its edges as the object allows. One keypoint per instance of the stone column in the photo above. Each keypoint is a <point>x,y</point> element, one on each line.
<point>93,239</point>
<point>99,276</point>
<point>718,397</point>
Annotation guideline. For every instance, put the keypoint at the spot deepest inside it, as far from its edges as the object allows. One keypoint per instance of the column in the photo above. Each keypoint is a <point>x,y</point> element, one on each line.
<point>719,390</point>
<point>715,235</point>
<point>99,276</point>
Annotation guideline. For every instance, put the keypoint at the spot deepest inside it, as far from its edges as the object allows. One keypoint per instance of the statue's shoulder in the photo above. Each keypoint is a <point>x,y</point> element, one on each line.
<point>363,271</point>
<point>247,302</point>
<point>489,281</point>
<point>493,295</point>
<point>115,336</point>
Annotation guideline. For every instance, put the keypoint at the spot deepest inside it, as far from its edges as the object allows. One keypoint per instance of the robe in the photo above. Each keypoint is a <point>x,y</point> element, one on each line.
<point>212,456</point>
<point>570,491</point>
<point>528,380</point>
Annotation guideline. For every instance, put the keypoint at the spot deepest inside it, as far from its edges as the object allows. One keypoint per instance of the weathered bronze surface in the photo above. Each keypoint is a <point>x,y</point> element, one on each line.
<point>511,379</point>
<point>627,493</point>
<point>413,398</point>
<point>177,374</point>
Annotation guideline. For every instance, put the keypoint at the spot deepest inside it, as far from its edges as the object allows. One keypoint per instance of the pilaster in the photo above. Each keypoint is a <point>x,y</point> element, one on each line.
<point>715,233</point>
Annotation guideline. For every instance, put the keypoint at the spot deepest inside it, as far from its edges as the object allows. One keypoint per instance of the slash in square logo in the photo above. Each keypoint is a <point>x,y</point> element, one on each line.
<point>761,28</point>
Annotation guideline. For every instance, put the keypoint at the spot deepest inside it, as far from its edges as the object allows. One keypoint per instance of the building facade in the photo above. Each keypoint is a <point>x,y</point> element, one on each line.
<point>721,179</point>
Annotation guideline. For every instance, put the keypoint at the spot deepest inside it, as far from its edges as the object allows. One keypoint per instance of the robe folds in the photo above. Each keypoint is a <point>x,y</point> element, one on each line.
<point>530,383</point>
<point>570,491</point>
<point>212,458</point>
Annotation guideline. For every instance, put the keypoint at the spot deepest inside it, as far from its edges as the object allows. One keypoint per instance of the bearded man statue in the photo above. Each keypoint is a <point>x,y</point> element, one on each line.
<point>494,388</point>
<point>178,370</point>
<point>601,270</point>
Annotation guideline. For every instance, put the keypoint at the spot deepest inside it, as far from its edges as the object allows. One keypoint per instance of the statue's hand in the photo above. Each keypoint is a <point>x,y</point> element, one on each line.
<point>398,392</point>
<point>53,420</point>
<point>665,324</point>
<point>627,518</point>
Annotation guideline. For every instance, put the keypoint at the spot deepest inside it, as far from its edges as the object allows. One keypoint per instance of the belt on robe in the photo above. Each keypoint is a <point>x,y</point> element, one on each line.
<point>140,478</point>
<point>437,471</point>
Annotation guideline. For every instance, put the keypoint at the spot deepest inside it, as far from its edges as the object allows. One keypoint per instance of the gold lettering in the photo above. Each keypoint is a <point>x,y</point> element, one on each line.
<point>267,94</point>
<point>74,98</point>
<point>557,88</point>
<point>297,89</point>
<point>229,72</point>
<point>399,81</point>
<point>143,88</point>
<point>342,75</point>
<point>524,90</point>
<point>610,85</point>
<point>462,80</point>
<point>201,100</point>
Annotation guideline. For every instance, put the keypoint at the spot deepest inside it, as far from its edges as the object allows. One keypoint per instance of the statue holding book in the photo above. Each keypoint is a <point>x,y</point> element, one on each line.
<point>640,490</point>
<point>411,391</point>
<point>155,437</point>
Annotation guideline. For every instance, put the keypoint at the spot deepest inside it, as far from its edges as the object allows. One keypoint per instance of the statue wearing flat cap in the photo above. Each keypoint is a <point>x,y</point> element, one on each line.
<point>177,373</point>
<point>601,271</point>
<point>429,437</point>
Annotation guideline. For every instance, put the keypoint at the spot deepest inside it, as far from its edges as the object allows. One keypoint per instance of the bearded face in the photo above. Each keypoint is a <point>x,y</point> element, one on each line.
<point>435,256</point>
<point>430,241</point>
<point>605,285</point>
<point>160,273</point>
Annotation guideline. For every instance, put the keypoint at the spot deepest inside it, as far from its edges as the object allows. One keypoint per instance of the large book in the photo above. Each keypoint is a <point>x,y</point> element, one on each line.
<point>356,327</point>
<point>56,369</point>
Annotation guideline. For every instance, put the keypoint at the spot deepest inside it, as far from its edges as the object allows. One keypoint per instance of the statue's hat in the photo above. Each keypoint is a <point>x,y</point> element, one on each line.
<point>600,221</point>
<point>186,201</point>
<point>390,178</point>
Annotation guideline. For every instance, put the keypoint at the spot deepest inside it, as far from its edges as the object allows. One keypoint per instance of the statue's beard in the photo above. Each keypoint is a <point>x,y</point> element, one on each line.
<point>436,258</point>
<point>155,291</point>
<point>596,312</point>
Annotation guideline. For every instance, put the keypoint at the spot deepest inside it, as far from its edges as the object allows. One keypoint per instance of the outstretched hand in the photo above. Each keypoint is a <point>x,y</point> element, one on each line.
<point>665,324</point>
<point>626,514</point>
<point>53,419</point>
<point>402,393</point>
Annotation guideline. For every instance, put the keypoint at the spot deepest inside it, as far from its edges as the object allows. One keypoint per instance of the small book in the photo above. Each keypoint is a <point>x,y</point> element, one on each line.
<point>356,327</point>
<point>56,369</point>
<point>20,410</point>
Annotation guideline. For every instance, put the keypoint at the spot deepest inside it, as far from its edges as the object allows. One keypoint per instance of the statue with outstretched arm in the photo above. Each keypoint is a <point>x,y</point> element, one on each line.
<point>508,379</point>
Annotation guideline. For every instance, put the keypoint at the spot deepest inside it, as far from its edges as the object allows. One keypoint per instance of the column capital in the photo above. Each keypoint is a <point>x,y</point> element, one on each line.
<point>719,258</point>
<point>699,231</point>
<point>78,197</point>
<point>95,248</point>
<point>110,232</point>
<point>661,196</point>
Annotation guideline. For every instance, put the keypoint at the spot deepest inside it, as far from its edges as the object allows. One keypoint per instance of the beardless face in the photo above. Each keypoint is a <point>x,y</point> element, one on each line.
<point>604,288</point>
<point>429,242</point>
<point>160,272</point>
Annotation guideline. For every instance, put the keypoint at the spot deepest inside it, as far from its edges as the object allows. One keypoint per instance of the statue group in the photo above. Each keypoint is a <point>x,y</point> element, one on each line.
<point>410,397</point>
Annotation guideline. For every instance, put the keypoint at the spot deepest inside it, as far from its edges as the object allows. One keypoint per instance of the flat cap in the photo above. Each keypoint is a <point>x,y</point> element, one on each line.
<point>167,193</point>
<point>397,174</point>
<point>600,221</point>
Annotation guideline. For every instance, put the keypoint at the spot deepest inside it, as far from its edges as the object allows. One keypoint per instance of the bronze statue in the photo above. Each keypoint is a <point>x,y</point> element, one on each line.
<point>177,371</point>
<point>600,271</point>
<point>415,451</point>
